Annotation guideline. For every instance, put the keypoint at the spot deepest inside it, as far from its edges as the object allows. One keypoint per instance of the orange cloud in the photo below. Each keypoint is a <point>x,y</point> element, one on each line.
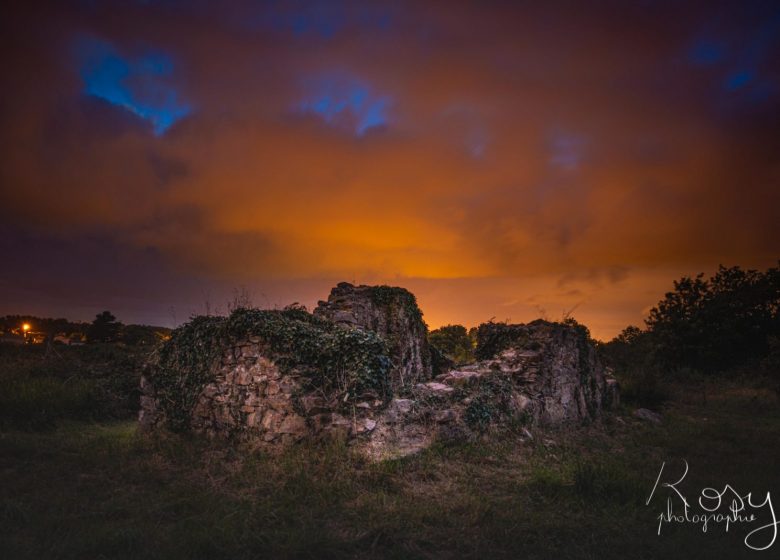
<point>527,161</point>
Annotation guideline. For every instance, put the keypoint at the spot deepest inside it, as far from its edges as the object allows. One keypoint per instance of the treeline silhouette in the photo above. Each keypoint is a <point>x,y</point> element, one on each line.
<point>104,328</point>
<point>724,325</point>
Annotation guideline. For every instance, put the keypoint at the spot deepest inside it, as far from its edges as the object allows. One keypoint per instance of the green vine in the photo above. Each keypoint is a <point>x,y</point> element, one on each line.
<point>391,295</point>
<point>491,403</point>
<point>349,361</point>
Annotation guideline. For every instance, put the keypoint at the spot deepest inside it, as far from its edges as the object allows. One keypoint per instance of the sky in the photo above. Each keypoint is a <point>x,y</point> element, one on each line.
<point>502,160</point>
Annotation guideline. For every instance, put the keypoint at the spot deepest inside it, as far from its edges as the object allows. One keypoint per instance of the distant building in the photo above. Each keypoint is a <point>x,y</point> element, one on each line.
<point>36,337</point>
<point>75,339</point>
<point>10,338</point>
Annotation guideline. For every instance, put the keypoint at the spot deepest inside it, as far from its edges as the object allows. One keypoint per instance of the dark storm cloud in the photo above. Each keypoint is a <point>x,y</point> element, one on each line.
<point>555,151</point>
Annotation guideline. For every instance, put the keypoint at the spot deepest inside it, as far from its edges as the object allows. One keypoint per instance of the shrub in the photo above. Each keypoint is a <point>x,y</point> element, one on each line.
<point>643,386</point>
<point>490,404</point>
<point>493,338</point>
<point>391,295</point>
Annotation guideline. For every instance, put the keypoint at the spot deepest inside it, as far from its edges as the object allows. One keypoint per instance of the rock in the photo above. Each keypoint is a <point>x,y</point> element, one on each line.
<point>393,314</point>
<point>397,410</point>
<point>146,387</point>
<point>461,378</point>
<point>243,377</point>
<point>445,416</point>
<point>612,394</point>
<point>435,388</point>
<point>269,419</point>
<point>562,378</point>
<point>293,424</point>
<point>393,439</point>
<point>648,415</point>
<point>211,390</point>
<point>314,404</point>
<point>520,402</point>
<point>365,425</point>
<point>272,388</point>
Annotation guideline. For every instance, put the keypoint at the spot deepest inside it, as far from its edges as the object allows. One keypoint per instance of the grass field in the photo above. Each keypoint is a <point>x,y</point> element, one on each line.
<point>94,488</point>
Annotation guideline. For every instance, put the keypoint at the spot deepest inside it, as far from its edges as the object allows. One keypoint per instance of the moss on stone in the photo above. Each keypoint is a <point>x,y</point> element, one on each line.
<point>391,295</point>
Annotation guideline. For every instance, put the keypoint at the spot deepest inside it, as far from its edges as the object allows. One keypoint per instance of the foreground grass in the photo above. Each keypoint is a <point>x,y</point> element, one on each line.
<point>41,386</point>
<point>87,490</point>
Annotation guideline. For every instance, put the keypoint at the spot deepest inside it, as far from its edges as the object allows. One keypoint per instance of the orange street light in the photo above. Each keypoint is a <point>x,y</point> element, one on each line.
<point>26,327</point>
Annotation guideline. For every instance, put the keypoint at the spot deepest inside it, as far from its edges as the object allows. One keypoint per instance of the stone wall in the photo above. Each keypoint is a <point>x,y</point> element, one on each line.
<point>544,374</point>
<point>393,314</point>
<point>537,374</point>
<point>250,398</point>
<point>248,393</point>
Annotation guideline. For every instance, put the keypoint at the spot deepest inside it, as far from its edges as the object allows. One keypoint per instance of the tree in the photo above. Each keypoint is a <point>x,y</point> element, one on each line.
<point>453,342</point>
<point>105,328</point>
<point>716,324</point>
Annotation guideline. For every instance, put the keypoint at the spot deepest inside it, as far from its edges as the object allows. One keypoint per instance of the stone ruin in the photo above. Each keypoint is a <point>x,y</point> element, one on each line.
<point>536,374</point>
<point>392,313</point>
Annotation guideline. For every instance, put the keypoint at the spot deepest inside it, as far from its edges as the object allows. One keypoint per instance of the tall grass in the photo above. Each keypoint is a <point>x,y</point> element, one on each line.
<point>39,402</point>
<point>40,387</point>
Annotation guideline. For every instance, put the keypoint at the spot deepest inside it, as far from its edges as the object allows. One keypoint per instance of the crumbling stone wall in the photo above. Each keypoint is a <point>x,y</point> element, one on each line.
<point>251,398</point>
<point>393,314</point>
<point>537,374</point>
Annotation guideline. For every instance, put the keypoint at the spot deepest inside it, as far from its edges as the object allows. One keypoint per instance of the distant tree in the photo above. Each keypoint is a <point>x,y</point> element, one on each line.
<point>632,356</point>
<point>453,342</point>
<point>716,324</point>
<point>139,335</point>
<point>632,348</point>
<point>105,328</point>
<point>473,331</point>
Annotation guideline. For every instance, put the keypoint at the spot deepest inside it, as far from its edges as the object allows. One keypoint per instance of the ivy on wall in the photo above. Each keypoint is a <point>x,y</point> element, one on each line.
<point>347,361</point>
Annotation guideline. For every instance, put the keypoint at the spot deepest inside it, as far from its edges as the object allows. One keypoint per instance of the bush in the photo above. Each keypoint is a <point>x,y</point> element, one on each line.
<point>717,324</point>
<point>490,404</point>
<point>454,343</point>
<point>643,386</point>
<point>493,338</point>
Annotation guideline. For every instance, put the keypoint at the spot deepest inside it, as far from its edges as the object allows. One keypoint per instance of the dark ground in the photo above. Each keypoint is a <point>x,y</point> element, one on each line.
<point>80,483</point>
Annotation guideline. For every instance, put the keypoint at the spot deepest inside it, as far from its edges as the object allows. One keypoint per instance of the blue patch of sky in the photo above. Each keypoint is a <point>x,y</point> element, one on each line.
<point>738,79</point>
<point>141,84</point>
<point>739,63</point>
<point>342,100</point>
<point>706,52</point>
